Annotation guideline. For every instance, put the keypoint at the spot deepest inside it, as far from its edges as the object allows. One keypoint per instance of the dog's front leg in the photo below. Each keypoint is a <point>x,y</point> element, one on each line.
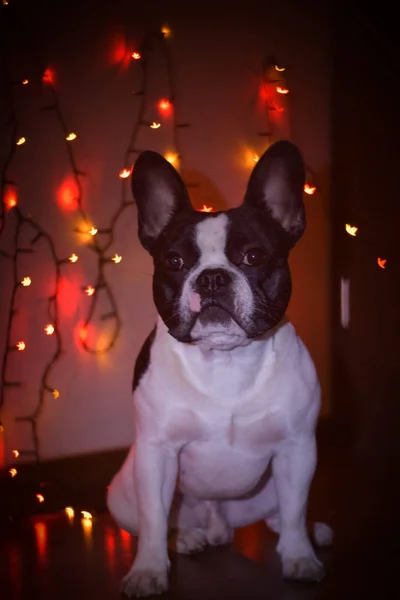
<point>155,473</point>
<point>293,470</point>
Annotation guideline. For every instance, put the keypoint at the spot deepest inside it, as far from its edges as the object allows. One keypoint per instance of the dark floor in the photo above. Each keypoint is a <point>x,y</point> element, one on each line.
<point>51,557</point>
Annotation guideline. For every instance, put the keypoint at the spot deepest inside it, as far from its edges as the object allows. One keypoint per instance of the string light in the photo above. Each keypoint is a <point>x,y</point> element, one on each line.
<point>309,189</point>
<point>26,281</point>
<point>171,157</point>
<point>165,106</point>
<point>70,511</point>
<point>21,141</point>
<point>21,346</point>
<point>382,262</point>
<point>49,329</point>
<point>56,394</point>
<point>155,125</point>
<point>279,69</point>
<point>89,290</point>
<point>40,498</point>
<point>351,229</point>
<point>166,31</point>
<point>256,158</point>
<point>15,453</point>
<point>116,258</point>
<point>10,198</point>
<point>73,258</point>
<point>282,90</point>
<point>124,173</point>
<point>206,209</point>
<point>136,55</point>
<point>71,136</point>
<point>13,471</point>
<point>93,231</point>
<point>25,81</point>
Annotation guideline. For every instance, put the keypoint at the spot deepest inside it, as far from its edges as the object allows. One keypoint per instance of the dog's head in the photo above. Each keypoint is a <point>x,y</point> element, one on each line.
<point>221,279</point>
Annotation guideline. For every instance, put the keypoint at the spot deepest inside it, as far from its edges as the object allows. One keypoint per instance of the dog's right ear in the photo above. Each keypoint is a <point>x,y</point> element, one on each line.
<point>159,193</point>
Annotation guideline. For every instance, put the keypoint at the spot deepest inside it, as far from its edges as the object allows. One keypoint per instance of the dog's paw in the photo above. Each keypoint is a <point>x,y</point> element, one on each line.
<point>302,568</point>
<point>191,541</point>
<point>141,581</point>
<point>219,534</point>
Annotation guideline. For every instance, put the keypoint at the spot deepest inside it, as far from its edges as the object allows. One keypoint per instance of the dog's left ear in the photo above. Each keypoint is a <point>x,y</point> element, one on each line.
<point>159,193</point>
<point>276,185</point>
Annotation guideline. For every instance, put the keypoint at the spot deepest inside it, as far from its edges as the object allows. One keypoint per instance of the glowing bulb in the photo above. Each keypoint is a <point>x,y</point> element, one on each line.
<point>21,346</point>
<point>382,262</point>
<point>49,329</point>
<point>279,69</point>
<point>206,209</point>
<point>13,472</point>
<point>93,231</point>
<point>124,173</point>
<point>155,125</point>
<point>166,31</point>
<point>71,136</point>
<point>70,511</point>
<point>48,76</point>
<point>25,81</point>
<point>89,290</point>
<point>26,281</point>
<point>309,189</point>
<point>256,158</point>
<point>164,105</point>
<point>351,229</point>
<point>56,394</point>
<point>116,258</point>
<point>282,90</point>
<point>73,258</point>
<point>15,453</point>
<point>86,515</point>
<point>21,141</point>
<point>171,157</point>
<point>136,55</point>
<point>40,498</point>
<point>11,198</point>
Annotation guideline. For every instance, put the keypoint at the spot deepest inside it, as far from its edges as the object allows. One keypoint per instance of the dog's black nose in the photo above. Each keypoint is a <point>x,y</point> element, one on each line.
<point>211,280</point>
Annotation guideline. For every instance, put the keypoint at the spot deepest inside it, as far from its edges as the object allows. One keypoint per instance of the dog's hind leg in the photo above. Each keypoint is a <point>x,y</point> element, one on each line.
<point>121,498</point>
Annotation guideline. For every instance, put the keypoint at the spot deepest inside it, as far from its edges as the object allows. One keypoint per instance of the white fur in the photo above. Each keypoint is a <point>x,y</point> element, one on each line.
<point>214,420</point>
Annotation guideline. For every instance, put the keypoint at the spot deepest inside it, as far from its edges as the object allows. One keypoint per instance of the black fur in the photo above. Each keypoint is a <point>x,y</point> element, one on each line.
<point>143,359</point>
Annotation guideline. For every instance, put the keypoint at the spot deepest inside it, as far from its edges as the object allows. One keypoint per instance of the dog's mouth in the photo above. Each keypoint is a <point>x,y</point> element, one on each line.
<point>212,311</point>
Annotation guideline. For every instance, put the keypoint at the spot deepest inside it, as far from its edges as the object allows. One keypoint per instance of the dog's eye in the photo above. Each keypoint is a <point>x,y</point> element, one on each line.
<point>174,261</point>
<point>254,257</point>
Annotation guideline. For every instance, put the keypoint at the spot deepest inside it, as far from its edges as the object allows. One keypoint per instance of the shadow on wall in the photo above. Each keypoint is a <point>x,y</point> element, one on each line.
<point>204,191</point>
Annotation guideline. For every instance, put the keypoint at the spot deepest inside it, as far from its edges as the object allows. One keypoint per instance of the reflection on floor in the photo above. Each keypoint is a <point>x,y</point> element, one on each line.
<point>61,557</point>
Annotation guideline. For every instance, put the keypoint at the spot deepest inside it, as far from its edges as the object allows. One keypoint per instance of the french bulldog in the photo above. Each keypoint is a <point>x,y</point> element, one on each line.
<point>226,395</point>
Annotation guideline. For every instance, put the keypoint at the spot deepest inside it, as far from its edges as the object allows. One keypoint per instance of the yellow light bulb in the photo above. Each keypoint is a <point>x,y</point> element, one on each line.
<point>70,511</point>
<point>49,329</point>
<point>351,229</point>
<point>282,90</point>
<point>71,136</point>
<point>155,125</point>
<point>73,258</point>
<point>21,346</point>
<point>166,31</point>
<point>116,258</point>
<point>21,141</point>
<point>279,68</point>
<point>56,394</point>
<point>309,189</point>
<point>26,281</point>
<point>13,472</point>
<point>93,231</point>
<point>25,82</point>
<point>89,290</point>
<point>171,158</point>
<point>40,498</point>
<point>15,453</point>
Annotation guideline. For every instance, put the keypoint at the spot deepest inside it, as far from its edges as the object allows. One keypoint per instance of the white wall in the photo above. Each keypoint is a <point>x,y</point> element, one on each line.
<point>217,61</point>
